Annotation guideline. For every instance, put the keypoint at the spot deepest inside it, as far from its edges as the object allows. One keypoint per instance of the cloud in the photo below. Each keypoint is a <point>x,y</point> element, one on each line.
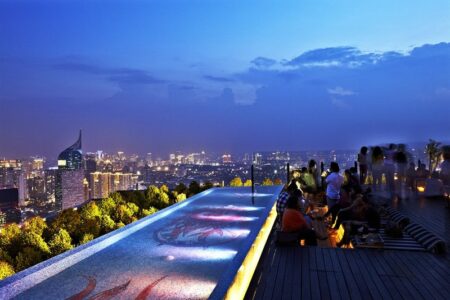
<point>340,91</point>
<point>117,75</point>
<point>218,79</point>
<point>263,62</point>
<point>335,56</point>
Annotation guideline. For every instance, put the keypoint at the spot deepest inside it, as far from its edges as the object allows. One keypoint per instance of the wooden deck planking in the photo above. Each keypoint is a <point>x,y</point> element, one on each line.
<point>338,274</point>
<point>328,273</point>
<point>306,274</point>
<point>314,276</point>
<point>428,288</point>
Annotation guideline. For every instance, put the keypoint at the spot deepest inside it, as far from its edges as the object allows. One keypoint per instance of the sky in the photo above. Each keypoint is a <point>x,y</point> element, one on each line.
<point>222,76</point>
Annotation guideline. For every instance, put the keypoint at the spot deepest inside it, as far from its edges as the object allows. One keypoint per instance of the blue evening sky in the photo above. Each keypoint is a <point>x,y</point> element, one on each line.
<point>160,76</point>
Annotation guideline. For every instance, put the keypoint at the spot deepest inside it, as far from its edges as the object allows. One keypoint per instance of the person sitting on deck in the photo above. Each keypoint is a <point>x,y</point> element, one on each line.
<point>293,221</point>
<point>356,211</point>
<point>282,199</point>
<point>362,217</point>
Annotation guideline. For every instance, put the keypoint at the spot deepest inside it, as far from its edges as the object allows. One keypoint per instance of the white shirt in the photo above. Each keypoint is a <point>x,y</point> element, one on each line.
<point>334,182</point>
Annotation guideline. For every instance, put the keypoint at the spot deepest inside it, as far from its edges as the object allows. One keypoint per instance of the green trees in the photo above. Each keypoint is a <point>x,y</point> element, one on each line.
<point>36,225</point>
<point>28,257</point>
<point>156,197</point>
<point>33,249</point>
<point>267,181</point>
<point>206,186</point>
<point>181,197</point>
<point>70,220</point>
<point>194,188</point>
<point>60,242</point>
<point>9,239</point>
<point>6,269</point>
<point>181,188</point>
<point>248,182</point>
<point>237,181</point>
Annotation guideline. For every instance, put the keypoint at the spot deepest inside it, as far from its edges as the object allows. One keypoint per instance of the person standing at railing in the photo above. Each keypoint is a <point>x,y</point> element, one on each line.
<point>445,166</point>
<point>334,183</point>
<point>362,161</point>
<point>389,167</point>
<point>377,167</point>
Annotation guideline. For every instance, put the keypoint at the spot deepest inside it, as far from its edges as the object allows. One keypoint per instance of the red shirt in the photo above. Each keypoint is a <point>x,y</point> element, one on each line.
<point>293,220</point>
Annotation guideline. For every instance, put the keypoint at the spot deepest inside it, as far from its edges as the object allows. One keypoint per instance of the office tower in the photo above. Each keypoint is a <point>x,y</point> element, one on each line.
<point>90,164</point>
<point>100,185</point>
<point>69,190</point>
<point>103,184</point>
<point>149,159</point>
<point>9,206</point>
<point>12,175</point>
<point>50,184</point>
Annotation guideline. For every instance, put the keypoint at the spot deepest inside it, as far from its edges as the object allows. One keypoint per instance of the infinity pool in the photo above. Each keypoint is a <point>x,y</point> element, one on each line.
<point>191,250</point>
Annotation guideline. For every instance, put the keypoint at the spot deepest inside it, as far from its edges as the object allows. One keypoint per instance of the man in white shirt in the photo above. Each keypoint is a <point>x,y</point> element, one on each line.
<point>334,182</point>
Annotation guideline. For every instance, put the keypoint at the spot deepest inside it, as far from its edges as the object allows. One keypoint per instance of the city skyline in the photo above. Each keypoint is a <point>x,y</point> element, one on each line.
<point>230,76</point>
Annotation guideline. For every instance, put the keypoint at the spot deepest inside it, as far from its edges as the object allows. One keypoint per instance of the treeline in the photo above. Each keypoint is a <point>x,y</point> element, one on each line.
<point>37,239</point>
<point>237,181</point>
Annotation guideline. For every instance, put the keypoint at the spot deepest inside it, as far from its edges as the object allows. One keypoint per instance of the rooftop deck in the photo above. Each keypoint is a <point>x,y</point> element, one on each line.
<point>333,273</point>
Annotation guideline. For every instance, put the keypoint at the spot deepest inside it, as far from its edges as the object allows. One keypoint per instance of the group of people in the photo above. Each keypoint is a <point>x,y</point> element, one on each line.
<point>343,197</point>
<point>389,161</point>
<point>397,165</point>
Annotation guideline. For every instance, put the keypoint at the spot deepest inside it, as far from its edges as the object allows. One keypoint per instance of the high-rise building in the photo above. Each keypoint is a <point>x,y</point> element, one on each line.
<point>103,184</point>
<point>69,190</point>
<point>50,184</point>
<point>90,166</point>
<point>226,158</point>
<point>72,157</point>
<point>12,175</point>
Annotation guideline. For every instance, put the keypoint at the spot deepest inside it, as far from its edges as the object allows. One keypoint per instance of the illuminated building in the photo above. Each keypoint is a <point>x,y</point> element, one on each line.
<point>36,188</point>
<point>257,159</point>
<point>69,189</point>
<point>90,164</point>
<point>226,158</point>
<point>50,184</point>
<point>72,157</point>
<point>103,184</point>
<point>13,176</point>
<point>9,202</point>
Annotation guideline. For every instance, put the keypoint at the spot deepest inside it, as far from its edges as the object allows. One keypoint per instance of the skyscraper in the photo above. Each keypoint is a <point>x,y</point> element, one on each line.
<point>72,157</point>
<point>69,179</point>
